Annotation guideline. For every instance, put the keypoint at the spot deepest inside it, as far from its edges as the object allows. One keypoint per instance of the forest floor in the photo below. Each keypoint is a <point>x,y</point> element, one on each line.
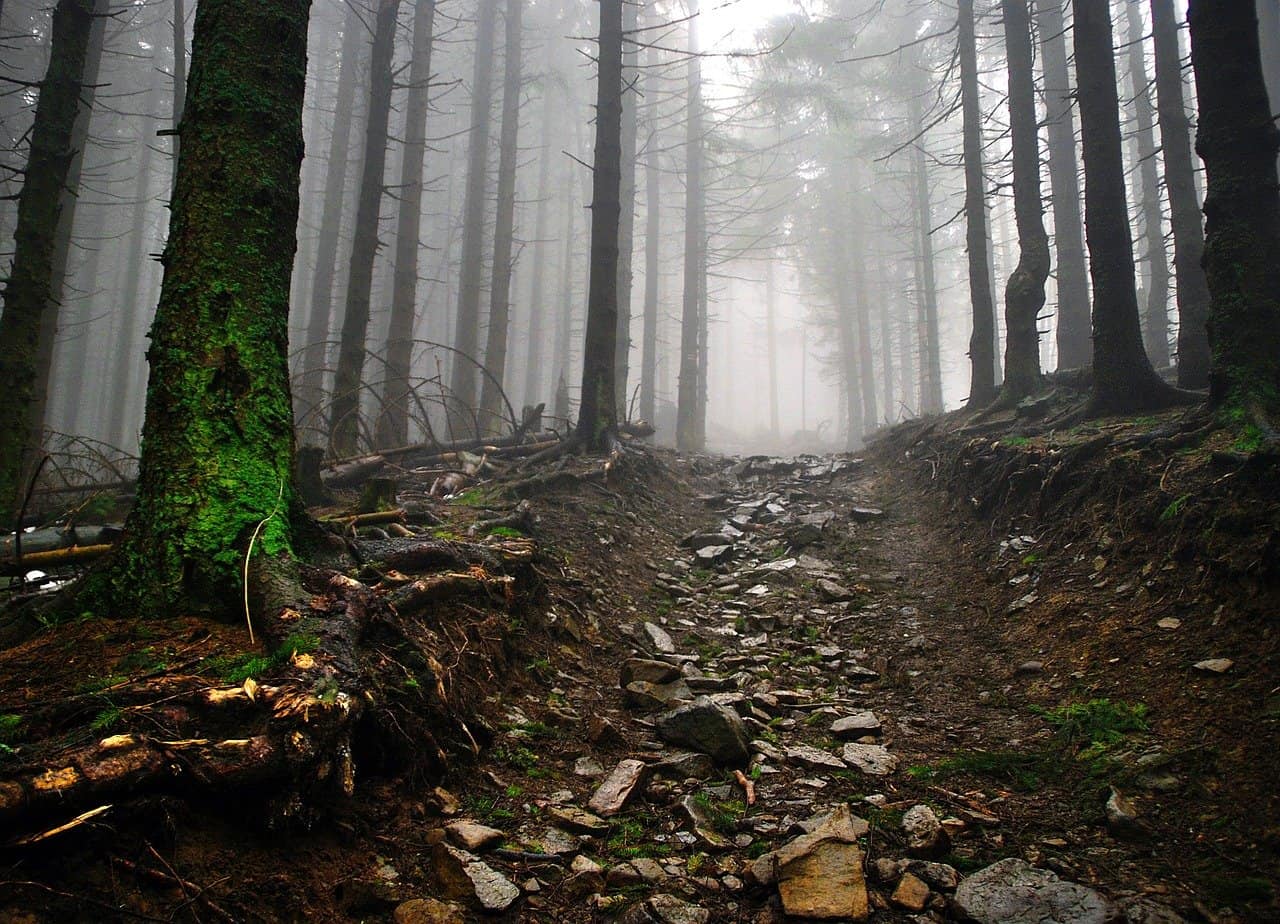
<point>960,647</point>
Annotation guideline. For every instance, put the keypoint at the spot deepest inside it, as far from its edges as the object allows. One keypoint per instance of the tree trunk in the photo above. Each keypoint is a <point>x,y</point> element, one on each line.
<point>348,383</point>
<point>598,415</point>
<point>393,421</point>
<point>311,397</point>
<point>652,279</point>
<point>535,349</point>
<point>771,345</point>
<point>930,359</point>
<point>691,322</point>
<point>1075,350</point>
<point>466,338</point>
<point>495,353</point>
<point>982,387</point>
<point>1238,142</point>
<point>31,291</point>
<point>1184,202</point>
<point>179,81</point>
<point>1269,45</point>
<point>866,366</point>
<point>564,318</point>
<point>217,446</point>
<point>1024,293</point>
<point>1123,380</point>
<point>627,222</point>
<point>1155,326</point>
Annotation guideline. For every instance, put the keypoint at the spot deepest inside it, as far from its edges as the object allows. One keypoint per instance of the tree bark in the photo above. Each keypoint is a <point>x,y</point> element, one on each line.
<point>348,383</point>
<point>930,359</point>
<point>627,222</point>
<point>1184,202</point>
<point>535,348</point>
<point>1123,380</point>
<point>771,345</point>
<point>1238,141</point>
<point>688,398</point>
<point>393,421</point>
<point>652,279</point>
<point>217,445</point>
<point>179,80</point>
<point>1073,337</point>
<point>495,353</point>
<point>1155,326</point>
<point>466,338</point>
<point>982,387</point>
<point>1024,293</point>
<point>311,397</point>
<point>31,291</point>
<point>1269,45</point>
<point>598,415</point>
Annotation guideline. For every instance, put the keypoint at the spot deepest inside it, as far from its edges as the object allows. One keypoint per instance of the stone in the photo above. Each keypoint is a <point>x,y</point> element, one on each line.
<point>912,893</point>
<point>865,514</point>
<point>858,725</point>
<point>926,839</point>
<point>871,759</point>
<point>824,883</point>
<point>428,911</point>
<point>714,554</point>
<point>840,826</point>
<point>1014,892</point>
<point>585,876</point>
<point>687,765</point>
<point>658,638</point>
<point>886,871</point>
<point>1028,668</point>
<point>939,876</point>
<point>707,727</point>
<point>665,909</point>
<point>697,541</point>
<point>648,671</point>
<point>587,766</point>
<point>814,758</point>
<point>701,821</point>
<point>574,819</point>
<point>856,673</point>
<point>603,733</point>
<point>831,591</point>
<point>1169,622</point>
<point>1214,665</point>
<point>1122,817</point>
<point>559,843</point>
<point>641,694</point>
<point>464,877</point>
<point>618,788</point>
<point>839,823</point>
<point>1141,910</point>
<point>445,802</point>
<point>474,837</point>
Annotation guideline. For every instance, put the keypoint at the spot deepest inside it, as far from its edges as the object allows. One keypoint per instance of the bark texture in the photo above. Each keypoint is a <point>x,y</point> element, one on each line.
<point>688,399</point>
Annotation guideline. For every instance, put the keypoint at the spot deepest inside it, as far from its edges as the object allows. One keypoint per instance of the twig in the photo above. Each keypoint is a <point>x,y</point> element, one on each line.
<point>249,554</point>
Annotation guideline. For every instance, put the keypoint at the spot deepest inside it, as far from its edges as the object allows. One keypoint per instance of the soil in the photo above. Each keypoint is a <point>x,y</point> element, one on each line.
<point>1022,610</point>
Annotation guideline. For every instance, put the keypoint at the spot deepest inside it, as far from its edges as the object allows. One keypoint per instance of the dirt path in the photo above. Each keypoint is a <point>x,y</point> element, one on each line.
<point>842,634</point>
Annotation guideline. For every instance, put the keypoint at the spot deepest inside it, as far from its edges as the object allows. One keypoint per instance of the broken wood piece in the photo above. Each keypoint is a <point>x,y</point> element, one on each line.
<point>748,786</point>
<point>55,559</point>
<point>355,521</point>
<point>415,596</point>
<point>67,826</point>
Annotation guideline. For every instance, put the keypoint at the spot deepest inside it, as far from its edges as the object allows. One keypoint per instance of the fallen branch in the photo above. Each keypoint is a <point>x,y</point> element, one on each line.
<point>55,559</point>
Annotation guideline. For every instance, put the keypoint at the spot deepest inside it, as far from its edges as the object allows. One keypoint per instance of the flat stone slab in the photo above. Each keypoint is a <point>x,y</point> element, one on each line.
<point>1014,892</point>
<point>472,836</point>
<point>814,758</point>
<point>871,759</point>
<point>824,883</point>
<point>575,820</point>
<point>463,876</point>
<point>658,638</point>
<point>618,788</point>
<point>708,727</point>
<point>858,725</point>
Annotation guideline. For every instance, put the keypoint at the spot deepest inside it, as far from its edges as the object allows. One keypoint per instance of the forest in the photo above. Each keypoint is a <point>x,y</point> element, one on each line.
<point>655,461</point>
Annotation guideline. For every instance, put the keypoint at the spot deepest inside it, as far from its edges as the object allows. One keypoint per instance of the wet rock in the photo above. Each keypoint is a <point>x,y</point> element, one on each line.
<point>665,909</point>
<point>702,823</point>
<point>574,819</point>
<point>618,789</point>
<point>858,725</point>
<point>640,694</point>
<point>428,911</point>
<point>912,893</point>
<point>658,638</point>
<point>871,759</point>
<point>1214,665</point>
<point>886,871</point>
<point>647,670</point>
<point>464,877</point>
<point>474,837</point>
<point>813,758</point>
<point>1014,892</point>
<point>707,727</point>
<point>926,839</point>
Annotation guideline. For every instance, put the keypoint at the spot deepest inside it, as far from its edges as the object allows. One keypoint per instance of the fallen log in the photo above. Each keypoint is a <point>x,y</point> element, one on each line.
<point>52,538</point>
<point>350,471</point>
<point>417,595</point>
<point>58,558</point>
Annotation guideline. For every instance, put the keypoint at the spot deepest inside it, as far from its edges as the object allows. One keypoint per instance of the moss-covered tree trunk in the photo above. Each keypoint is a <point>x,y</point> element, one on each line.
<point>217,442</point>
<point>1123,380</point>
<point>598,414</point>
<point>1238,141</point>
<point>1024,293</point>
<point>30,291</point>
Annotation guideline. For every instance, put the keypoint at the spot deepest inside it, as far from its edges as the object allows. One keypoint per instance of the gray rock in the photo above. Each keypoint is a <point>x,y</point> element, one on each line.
<point>658,638</point>
<point>707,727</point>
<point>858,725</point>
<point>429,911</point>
<point>647,670</point>
<point>701,822</point>
<point>619,787</point>
<point>1122,817</point>
<point>1014,892</point>
<point>1214,665</point>
<point>871,759</point>
<point>665,909</point>
<point>641,694</point>
<point>574,819</point>
<point>940,876</point>
<point>474,837</point>
<point>464,877</point>
<point>926,838</point>
<point>865,514</point>
<point>685,766</point>
<point>587,766</point>
<point>814,758</point>
<point>714,554</point>
<point>831,591</point>
<point>585,876</point>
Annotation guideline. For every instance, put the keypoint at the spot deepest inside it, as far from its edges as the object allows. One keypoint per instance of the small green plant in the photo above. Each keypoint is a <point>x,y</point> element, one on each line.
<point>506,532</point>
<point>106,719</point>
<point>9,725</point>
<point>1250,440</point>
<point>1016,442</point>
<point>1023,771</point>
<point>1174,509</point>
<point>236,669</point>
<point>1032,558</point>
<point>517,757</point>
<point>1096,722</point>
<point>723,816</point>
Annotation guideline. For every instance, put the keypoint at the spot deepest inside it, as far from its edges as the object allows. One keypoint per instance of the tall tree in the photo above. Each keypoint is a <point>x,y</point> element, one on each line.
<point>1155,315</point>
<point>688,400</point>
<point>627,222</point>
<point>1238,141</point>
<point>179,25</point>
<point>652,244</point>
<point>982,357</point>
<point>1184,201</point>
<point>319,326</point>
<point>1123,380</point>
<point>1024,293</point>
<point>393,423</point>
<point>926,289</point>
<point>217,443</point>
<point>598,414</point>
<point>495,352</point>
<point>348,383</point>
<point>535,346</point>
<point>466,338</point>
<point>30,291</point>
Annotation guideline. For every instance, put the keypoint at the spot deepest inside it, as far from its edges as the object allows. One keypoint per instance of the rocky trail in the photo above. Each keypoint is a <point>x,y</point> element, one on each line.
<point>718,690</point>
